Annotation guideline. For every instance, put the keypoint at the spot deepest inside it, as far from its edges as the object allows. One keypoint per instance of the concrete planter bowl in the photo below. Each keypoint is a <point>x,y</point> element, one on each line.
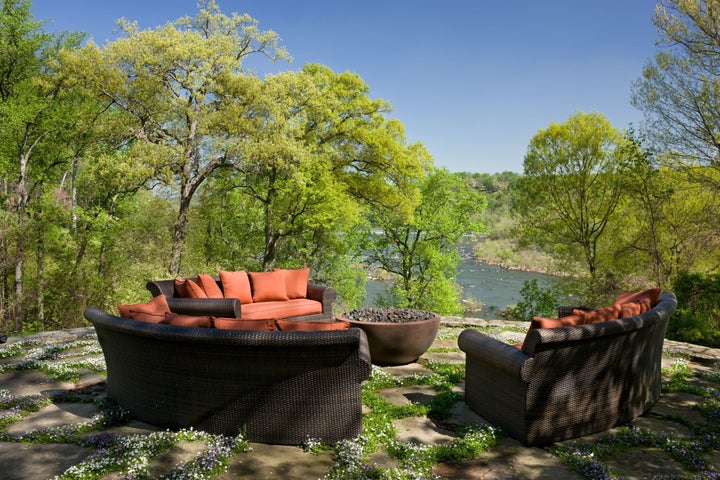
<point>394,337</point>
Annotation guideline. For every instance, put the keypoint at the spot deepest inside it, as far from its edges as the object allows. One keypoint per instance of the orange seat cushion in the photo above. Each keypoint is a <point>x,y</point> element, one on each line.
<point>268,286</point>
<point>300,326</point>
<point>236,285</point>
<point>243,324</point>
<point>296,282</point>
<point>280,309</point>
<point>187,320</point>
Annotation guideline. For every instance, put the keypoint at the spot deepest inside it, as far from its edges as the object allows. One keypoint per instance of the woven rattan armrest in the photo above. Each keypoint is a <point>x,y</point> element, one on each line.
<point>217,307</point>
<point>492,352</point>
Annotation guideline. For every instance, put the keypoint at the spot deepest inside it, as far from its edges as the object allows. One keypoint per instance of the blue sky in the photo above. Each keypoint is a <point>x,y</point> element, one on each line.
<point>473,80</point>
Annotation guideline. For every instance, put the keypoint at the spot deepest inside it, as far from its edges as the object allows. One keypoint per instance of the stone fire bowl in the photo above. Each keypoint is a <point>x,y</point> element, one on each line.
<point>397,343</point>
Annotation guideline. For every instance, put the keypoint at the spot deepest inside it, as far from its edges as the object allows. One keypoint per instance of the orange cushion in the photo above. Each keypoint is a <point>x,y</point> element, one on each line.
<point>600,314</point>
<point>647,299</point>
<point>150,317</point>
<point>236,285</point>
<point>299,326</point>
<point>268,286</point>
<point>630,309</point>
<point>540,322</point>
<point>243,324</point>
<point>296,282</point>
<point>281,309</point>
<point>209,286</point>
<point>186,320</point>
<point>158,304</point>
<point>181,288</point>
<point>194,290</point>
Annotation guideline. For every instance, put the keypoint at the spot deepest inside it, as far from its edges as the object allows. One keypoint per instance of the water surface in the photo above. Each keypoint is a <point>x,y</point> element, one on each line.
<point>494,287</point>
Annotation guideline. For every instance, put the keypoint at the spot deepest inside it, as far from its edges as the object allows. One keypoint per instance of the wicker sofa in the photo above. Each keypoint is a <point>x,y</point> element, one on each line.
<point>275,387</point>
<point>323,295</point>
<point>570,381</point>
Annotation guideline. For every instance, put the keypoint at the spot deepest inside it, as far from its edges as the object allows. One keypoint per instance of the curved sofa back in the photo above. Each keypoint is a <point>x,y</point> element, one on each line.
<point>654,320</point>
<point>276,387</point>
<point>587,378</point>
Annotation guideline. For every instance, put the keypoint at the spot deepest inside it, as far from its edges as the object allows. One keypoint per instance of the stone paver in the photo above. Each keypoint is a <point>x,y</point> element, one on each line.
<point>54,416</point>
<point>405,371</point>
<point>19,461</point>
<point>421,430</point>
<point>420,394</point>
<point>276,462</point>
<point>30,382</point>
<point>509,460</point>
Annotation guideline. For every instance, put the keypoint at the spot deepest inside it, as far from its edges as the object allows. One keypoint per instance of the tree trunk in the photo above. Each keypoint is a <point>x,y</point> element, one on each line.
<point>19,284</point>
<point>21,210</point>
<point>102,258</point>
<point>41,280</point>
<point>179,234</point>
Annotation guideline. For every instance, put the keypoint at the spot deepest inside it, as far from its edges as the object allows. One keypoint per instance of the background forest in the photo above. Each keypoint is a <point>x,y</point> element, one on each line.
<point>159,155</point>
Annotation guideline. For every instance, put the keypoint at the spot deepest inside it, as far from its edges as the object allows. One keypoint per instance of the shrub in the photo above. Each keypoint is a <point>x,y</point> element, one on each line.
<point>535,301</point>
<point>697,318</point>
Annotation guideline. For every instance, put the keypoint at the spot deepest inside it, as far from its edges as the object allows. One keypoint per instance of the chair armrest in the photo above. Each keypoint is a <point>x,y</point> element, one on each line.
<point>323,294</point>
<point>492,352</point>
<point>165,287</point>
<point>217,307</point>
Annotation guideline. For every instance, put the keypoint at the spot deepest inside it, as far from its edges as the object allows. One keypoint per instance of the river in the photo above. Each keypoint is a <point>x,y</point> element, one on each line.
<point>494,287</point>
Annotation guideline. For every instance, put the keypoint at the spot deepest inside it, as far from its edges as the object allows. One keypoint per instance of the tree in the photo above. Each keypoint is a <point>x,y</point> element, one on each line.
<point>321,155</point>
<point>572,184</point>
<point>422,251</point>
<point>169,83</point>
<point>37,111</point>
<point>679,89</point>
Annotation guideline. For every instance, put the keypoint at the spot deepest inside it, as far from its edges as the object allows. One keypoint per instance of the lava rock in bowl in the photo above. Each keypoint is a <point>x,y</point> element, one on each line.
<point>388,314</point>
<point>396,336</point>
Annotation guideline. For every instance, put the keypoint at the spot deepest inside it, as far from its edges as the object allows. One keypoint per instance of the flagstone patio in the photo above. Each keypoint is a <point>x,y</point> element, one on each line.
<point>60,375</point>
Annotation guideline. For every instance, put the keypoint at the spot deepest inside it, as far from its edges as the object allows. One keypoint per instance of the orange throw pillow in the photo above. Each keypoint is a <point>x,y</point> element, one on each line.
<point>630,309</point>
<point>194,290</point>
<point>158,304</point>
<point>181,287</point>
<point>268,286</point>
<point>209,286</point>
<point>236,285</point>
<point>240,324</point>
<point>296,282</point>
<point>600,314</point>
<point>298,326</point>
<point>187,320</point>
<point>647,299</point>
<point>540,322</point>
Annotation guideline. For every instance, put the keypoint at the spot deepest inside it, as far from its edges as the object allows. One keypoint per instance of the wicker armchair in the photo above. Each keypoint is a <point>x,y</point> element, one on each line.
<point>275,387</point>
<point>568,382</point>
